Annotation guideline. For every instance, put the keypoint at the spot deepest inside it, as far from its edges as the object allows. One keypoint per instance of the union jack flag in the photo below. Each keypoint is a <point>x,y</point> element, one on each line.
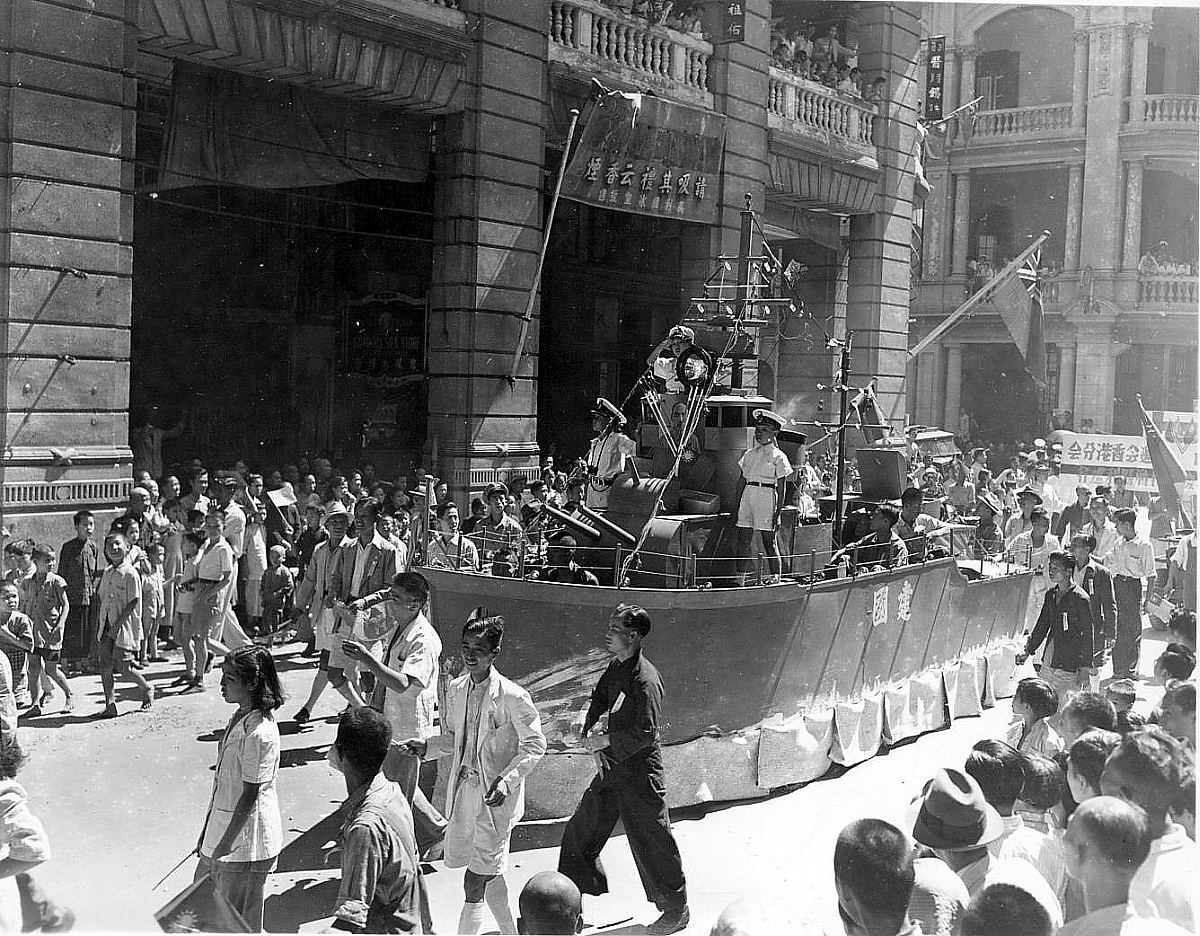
<point>1016,296</point>
<point>1030,274</point>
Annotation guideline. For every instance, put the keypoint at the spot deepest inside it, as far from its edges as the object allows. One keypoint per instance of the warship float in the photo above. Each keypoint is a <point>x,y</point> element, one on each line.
<point>769,679</point>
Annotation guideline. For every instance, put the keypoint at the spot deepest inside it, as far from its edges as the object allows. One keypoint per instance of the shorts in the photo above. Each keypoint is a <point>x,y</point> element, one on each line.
<point>49,654</point>
<point>115,658</point>
<point>323,628</point>
<point>757,508</point>
<point>190,630</point>
<point>477,837</point>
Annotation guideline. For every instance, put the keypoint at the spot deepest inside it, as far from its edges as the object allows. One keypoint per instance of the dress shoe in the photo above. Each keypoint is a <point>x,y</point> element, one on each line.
<point>672,921</point>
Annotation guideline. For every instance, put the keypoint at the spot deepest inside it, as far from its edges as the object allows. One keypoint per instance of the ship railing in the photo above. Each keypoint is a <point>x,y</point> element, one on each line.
<point>654,569</point>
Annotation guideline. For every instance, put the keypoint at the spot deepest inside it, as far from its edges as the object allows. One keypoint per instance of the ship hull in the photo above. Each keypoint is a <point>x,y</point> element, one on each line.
<point>731,659</point>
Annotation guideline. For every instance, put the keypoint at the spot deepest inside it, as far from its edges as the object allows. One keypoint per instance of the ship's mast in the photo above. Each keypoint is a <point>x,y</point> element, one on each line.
<point>843,390</point>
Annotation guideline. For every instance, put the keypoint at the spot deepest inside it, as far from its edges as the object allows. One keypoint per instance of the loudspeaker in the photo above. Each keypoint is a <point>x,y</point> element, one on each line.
<point>882,473</point>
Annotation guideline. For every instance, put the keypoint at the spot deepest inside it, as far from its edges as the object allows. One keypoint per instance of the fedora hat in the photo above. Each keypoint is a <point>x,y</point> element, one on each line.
<point>951,814</point>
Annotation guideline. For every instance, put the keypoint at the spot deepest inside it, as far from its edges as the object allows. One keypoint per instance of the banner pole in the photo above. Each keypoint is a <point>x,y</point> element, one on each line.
<point>519,351</point>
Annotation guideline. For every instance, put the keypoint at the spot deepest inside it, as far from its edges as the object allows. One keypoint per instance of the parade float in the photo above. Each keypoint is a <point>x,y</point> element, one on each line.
<point>768,682</point>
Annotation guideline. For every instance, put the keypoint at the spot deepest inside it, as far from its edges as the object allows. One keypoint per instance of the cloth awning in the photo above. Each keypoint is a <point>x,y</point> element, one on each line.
<point>231,129</point>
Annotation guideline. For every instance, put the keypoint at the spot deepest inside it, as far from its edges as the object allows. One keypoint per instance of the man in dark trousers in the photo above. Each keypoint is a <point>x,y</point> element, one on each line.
<point>629,784</point>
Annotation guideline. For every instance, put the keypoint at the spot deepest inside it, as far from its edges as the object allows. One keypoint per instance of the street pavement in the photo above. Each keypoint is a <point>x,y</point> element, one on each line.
<point>123,801</point>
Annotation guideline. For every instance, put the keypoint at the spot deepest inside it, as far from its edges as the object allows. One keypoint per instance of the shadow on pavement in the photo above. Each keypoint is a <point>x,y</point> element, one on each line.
<point>298,757</point>
<point>301,903</point>
<point>308,851</point>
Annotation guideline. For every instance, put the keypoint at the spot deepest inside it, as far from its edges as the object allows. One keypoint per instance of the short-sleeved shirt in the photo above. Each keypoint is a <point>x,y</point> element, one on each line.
<point>213,561</point>
<point>118,586</point>
<point>764,464</point>
<point>249,753</point>
<point>46,602</point>
<point>414,653</point>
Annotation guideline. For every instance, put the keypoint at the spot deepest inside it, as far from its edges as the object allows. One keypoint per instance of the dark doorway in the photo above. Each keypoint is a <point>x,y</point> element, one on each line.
<point>999,393</point>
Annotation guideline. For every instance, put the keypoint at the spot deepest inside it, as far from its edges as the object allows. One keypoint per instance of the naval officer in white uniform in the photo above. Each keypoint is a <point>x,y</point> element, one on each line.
<point>765,470</point>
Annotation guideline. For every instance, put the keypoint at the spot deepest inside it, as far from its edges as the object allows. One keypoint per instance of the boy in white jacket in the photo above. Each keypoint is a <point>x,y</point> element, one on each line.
<point>494,733</point>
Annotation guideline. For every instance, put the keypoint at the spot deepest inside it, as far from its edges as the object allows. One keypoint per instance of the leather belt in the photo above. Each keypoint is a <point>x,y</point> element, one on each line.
<point>468,775</point>
<point>762,484</point>
<point>1129,578</point>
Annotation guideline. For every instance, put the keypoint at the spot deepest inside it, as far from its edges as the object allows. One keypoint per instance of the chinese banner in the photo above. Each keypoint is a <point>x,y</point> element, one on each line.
<point>935,77</point>
<point>648,156</point>
<point>1096,459</point>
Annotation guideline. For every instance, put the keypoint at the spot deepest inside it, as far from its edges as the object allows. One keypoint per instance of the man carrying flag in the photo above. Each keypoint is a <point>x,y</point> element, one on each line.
<point>1168,470</point>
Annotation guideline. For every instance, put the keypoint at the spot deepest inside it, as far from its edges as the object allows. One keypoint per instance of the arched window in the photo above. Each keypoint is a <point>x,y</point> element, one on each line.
<point>1026,58</point>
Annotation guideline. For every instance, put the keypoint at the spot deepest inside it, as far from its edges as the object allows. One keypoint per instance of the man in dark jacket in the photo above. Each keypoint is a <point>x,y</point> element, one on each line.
<point>1066,622</point>
<point>629,784</point>
<point>1094,578</point>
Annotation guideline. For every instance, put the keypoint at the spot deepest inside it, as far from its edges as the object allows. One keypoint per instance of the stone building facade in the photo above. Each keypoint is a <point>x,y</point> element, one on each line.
<point>1087,128</point>
<point>348,270</point>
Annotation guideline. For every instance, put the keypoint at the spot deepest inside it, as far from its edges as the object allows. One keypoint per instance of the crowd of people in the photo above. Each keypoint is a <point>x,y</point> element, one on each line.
<point>823,60</point>
<point>307,554</point>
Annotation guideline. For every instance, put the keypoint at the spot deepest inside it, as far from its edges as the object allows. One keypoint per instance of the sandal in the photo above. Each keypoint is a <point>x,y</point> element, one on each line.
<point>148,702</point>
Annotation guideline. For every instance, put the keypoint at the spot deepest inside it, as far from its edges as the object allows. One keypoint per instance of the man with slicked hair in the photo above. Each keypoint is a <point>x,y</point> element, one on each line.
<point>873,875</point>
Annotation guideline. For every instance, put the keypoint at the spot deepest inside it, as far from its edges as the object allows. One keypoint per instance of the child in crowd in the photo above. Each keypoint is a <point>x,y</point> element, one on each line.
<point>16,640</point>
<point>25,846</point>
<point>195,522</point>
<point>118,624</point>
<point>1040,805</point>
<point>313,536</point>
<point>80,566</point>
<point>193,642</point>
<point>48,610</point>
<point>1178,712</point>
<point>1084,711</point>
<point>1122,694</point>
<point>1085,762</point>
<point>18,561</point>
<point>172,540</point>
<point>1034,702</point>
<point>278,586</point>
<point>1176,662</point>
<point>153,605</point>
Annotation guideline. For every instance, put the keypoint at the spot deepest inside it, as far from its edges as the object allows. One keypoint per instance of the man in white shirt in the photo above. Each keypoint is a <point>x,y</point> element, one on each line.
<point>1130,560</point>
<point>607,453</point>
<point>1106,841</point>
<point>1147,769</point>
<point>921,532</point>
<point>1040,482</point>
<point>760,492</point>
<point>1101,527</point>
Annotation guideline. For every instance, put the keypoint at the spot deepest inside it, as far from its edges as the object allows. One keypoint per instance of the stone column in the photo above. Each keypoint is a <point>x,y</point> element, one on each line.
<point>951,412</point>
<point>488,225</point>
<point>738,80</point>
<point>1079,86</point>
<point>1066,374</point>
<point>1095,382</point>
<point>1100,238</point>
<point>1133,215</point>
<point>880,262</point>
<point>1139,54</point>
<point>966,84</point>
<point>68,99</point>
<point>1074,215</point>
<point>962,223</point>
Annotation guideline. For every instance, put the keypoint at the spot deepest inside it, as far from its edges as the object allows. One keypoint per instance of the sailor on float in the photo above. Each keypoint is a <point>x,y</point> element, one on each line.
<point>664,359</point>
<point>607,453</point>
<point>760,493</point>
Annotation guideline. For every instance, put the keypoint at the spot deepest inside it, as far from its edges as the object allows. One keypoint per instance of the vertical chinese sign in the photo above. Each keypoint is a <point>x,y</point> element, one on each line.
<point>733,21</point>
<point>935,78</point>
<point>648,156</point>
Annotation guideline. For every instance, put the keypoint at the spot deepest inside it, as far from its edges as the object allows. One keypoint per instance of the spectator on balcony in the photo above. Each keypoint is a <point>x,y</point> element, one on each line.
<point>827,49</point>
<point>801,40</point>
<point>801,67</point>
<point>878,90</point>
<point>856,82</point>
<point>1153,260</point>
<point>844,84</point>
<point>781,57</point>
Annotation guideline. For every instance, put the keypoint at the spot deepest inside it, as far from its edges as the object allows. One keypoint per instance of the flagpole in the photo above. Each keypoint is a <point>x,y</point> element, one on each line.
<point>954,317</point>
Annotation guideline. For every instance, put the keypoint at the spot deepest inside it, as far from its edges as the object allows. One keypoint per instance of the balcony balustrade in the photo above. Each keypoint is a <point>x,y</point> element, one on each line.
<point>1178,292</point>
<point>606,42</point>
<point>1017,122</point>
<point>797,105</point>
<point>1172,109</point>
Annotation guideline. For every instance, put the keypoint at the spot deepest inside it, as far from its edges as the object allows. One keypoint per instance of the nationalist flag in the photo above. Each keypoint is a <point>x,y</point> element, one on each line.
<point>1168,470</point>
<point>1017,299</point>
